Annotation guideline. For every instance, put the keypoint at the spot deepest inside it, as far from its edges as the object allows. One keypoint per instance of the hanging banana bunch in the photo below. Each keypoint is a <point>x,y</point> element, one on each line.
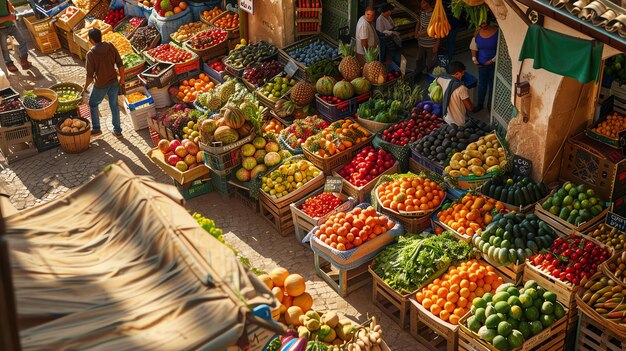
<point>439,27</point>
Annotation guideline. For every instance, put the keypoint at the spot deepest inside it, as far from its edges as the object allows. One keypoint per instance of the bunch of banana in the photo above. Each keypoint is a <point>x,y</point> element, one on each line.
<point>364,338</point>
<point>439,26</point>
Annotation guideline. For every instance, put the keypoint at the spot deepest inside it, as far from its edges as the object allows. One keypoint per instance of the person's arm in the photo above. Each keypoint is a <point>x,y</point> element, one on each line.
<point>364,44</point>
<point>89,66</point>
<point>120,66</point>
<point>11,16</point>
<point>464,96</point>
<point>469,106</point>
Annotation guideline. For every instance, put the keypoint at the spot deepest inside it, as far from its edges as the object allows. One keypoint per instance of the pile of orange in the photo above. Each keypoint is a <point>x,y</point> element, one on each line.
<point>451,296</point>
<point>611,126</point>
<point>345,231</point>
<point>211,14</point>
<point>189,88</point>
<point>470,215</point>
<point>228,21</point>
<point>273,126</point>
<point>410,194</point>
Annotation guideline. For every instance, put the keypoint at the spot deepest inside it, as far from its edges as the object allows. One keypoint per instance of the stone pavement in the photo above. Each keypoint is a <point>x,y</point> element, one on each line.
<point>52,173</point>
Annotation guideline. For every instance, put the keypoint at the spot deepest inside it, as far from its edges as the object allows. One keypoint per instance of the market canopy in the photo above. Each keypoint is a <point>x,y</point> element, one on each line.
<point>562,54</point>
<point>118,264</point>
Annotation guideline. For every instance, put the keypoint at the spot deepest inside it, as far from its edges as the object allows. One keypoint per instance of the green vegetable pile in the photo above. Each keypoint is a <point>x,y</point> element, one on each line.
<point>408,94</point>
<point>414,261</point>
<point>131,60</point>
<point>379,110</point>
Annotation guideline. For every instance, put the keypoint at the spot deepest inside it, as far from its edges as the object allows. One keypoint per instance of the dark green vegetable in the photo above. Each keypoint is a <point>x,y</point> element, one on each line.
<point>274,345</point>
<point>414,260</point>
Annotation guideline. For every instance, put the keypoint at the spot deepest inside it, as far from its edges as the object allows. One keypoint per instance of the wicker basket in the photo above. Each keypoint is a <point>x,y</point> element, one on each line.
<point>74,143</point>
<point>373,126</point>
<point>46,112</point>
<point>61,88</point>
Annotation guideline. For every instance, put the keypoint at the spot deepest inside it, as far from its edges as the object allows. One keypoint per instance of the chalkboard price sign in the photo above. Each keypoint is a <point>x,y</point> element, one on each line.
<point>521,166</point>
<point>616,221</point>
<point>333,184</point>
<point>291,68</point>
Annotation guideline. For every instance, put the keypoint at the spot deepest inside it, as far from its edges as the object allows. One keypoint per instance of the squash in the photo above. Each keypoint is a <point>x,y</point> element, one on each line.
<point>292,316</point>
<point>267,280</point>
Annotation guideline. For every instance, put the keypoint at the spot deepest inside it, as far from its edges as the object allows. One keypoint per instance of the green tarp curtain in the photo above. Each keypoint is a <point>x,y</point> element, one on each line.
<point>562,54</point>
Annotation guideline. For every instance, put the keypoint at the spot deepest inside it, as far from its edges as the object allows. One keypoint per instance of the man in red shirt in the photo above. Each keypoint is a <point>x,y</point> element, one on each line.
<point>100,63</point>
<point>8,27</point>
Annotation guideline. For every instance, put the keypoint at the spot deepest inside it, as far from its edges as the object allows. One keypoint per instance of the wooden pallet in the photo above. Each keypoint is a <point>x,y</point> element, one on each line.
<point>342,281</point>
<point>278,217</point>
<point>431,331</point>
<point>595,337</point>
<point>389,301</point>
<point>550,339</point>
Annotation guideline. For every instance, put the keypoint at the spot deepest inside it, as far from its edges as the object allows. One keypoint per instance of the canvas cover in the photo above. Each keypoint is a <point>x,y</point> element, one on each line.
<point>119,264</point>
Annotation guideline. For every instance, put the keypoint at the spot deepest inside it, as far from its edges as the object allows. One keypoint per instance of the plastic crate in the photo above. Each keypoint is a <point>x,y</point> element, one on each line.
<point>139,117</point>
<point>43,34</point>
<point>13,118</point>
<point>336,112</point>
<point>221,182</point>
<point>161,80</point>
<point>195,188</point>
<point>218,76</point>
<point>137,105</point>
<point>45,135</point>
<point>8,93</point>
<point>223,161</point>
<point>38,9</point>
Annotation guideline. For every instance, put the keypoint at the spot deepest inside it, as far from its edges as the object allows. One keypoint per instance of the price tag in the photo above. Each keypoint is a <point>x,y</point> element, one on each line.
<point>402,65</point>
<point>291,68</point>
<point>521,166</point>
<point>247,5</point>
<point>333,185</point>
<point>616,221</point>
<point>622,141</point>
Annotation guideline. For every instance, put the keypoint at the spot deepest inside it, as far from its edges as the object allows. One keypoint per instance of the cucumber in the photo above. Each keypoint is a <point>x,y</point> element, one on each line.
<point>498,193</point>
<point>510,197</point>
<point>544,189</point>
<point>537,193</point>
<point>504,194</point>
<point>526,196</point>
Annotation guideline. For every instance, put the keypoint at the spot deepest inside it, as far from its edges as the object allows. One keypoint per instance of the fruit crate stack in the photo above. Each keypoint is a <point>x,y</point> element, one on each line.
<point>66,20</point>
<point>16,139</point>
<point>42,34</point>
<point>308,18</point>
<point>139,110</point>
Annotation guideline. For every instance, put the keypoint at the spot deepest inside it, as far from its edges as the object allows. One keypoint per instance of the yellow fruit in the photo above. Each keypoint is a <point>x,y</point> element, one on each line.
<point>304,301</point>
<point>265,278</point>
<point>278,293</point>
<point>279,275</point>
<point>287,301</point>
<point>292,316</point>
<point>295,285</point>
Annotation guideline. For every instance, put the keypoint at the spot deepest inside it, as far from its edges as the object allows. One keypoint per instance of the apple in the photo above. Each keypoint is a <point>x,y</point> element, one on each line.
<point>181,166</point>
<point>164,146</point>
<point>194,165</point>
<point>192,148</point>
<point>181,151</point>
<point>174,144</point>
<point>173,160</point>
<point>200,156</point>
<point>190,159</point>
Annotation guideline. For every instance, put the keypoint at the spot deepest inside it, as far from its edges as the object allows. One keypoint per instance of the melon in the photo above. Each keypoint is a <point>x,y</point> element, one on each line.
<point>259,142</point>
<point>265,278</point>
<point>278,276</point>
<point>233,117</point>
<point>292,316</point>
<point>361,85</point>
<point>248,163</point>
<point>259,155</point>
<point>248,150</point>
<point>245,130</point>
<point>278,293</point>
<point>243,175</point>
<point>294,285</point>
<point>343,90</point>
<point>226,135</point>
<point>259,169</point>
<point>304,301</point>
<point>271,159</point>
<point>324,85</point>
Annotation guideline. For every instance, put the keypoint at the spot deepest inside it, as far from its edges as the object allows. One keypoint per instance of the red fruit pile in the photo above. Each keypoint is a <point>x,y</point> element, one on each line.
<point>571,259</point>
<point>260,72</point>
<point>135,21</point>
<point>331,99</point>
<point>319,205</point>
<point>207,39</point>
<point>367,165</point>
<point>393,75</point>
<point>218,66</point>
<point>415,128</point>
<point>113,17</point>
<point>168,53</point>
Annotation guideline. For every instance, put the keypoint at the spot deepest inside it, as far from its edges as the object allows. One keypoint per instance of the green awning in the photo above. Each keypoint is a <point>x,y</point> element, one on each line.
<point>563,54</point>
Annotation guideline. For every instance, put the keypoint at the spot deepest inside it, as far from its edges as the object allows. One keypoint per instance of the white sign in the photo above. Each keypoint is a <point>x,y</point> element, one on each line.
<point>247,5</point>
<point>402,65</point>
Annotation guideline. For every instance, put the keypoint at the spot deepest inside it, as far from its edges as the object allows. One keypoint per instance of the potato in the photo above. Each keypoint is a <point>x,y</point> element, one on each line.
<point>463,163</point>
<point>454,174</point>
<point>475,162</point>
<point>457,157</point>
<point>491,161</point>
<point>493,168</point>
<point>472,146</point>
<point>465,172</point>
<point>455,164</point>
<point>475,154</point>
<point>491,152</point>
<point>482,148</point>
<point>490,137</point>
<point>477,170</point>
<point>467,156</point>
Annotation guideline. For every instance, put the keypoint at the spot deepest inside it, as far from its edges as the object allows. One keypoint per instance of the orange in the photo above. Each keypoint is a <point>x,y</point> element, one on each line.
<point>427,303</point>
<point>441,302</point>
<point>435,309</point>
<point>454,319</point>
<point>419,297</point>
<point>442,292</point>
<point>453,297</point>
<point>464,292</point>
<point>444,315</point>
<point>449,306</point>
<point>462,302</point>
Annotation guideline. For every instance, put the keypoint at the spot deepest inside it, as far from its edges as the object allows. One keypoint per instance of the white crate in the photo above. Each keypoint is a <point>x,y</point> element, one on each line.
<point>139,118</point>
<point>161,97</point>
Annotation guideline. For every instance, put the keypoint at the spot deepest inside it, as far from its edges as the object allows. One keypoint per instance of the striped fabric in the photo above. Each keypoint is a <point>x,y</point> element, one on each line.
<point>426,42</point>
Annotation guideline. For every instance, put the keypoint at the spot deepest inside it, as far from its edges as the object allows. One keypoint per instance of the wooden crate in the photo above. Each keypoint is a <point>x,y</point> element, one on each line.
<point>550,339</point>
<point>278,217</point>
<point>16,142</point>
<point>304,223</point>
<point>342,281</point>
<point>563,226</point>
<point>415,167</point>
<point>445,227</point>
<point>565,292</point>
<point>389,301</point>
<point>513,272</point>
<point>595,337</point>
<point>431,331</point>
<point>327,165</point>
<point>361,193</point>
<point>43,34</point>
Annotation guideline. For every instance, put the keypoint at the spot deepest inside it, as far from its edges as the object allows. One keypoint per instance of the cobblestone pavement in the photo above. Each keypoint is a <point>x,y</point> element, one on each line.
<point>52,173</point>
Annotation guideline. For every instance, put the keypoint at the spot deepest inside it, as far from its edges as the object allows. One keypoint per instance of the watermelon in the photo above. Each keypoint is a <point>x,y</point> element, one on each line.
<point>226,135</point>
<point>343,90</point>
<point>233,117</point>
<point>361,85</point>
<point>324,85</point>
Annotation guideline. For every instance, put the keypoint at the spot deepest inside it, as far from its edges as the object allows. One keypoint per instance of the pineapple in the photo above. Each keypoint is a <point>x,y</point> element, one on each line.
<point>349,66</point>
<point>374,71</point>
<point>302,93</point>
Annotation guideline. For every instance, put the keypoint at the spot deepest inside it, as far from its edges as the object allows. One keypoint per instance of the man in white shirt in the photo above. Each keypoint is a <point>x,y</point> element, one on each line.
<point>366,36</point>
<point>456,101</point>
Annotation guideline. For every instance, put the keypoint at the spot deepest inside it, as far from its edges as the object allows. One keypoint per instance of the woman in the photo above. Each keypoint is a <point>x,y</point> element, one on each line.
<point>389,39</point>
<point>483,47</point>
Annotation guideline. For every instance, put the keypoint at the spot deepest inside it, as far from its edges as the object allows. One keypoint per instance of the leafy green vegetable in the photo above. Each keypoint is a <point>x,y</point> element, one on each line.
<point>274,345</point>
<point>414,260</point>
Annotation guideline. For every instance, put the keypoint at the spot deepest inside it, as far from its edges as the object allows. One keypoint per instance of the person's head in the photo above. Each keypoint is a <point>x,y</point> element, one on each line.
<point>456,69</point>
<point>386,10</point>
<point>95,36</point>
<point>370,14</point>
<point>427,5</point>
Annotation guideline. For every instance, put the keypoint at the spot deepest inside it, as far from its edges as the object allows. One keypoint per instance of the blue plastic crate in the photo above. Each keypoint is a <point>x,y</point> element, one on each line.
<point>51,12</point>
<point>197,188</point>
<point>135,105</point>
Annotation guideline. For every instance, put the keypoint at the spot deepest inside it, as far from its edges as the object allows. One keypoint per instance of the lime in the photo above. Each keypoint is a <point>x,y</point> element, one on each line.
<point>536,327</point>
<point>532,313</point>
<point>479,314</point>
<point>479,302</point>
<point>524,328</point>
<point>582,196</point>
<point>567,186</point>
<point>547,307</point>
<point>573,192</point>
<point>516,312</point>
<point>547,320</point>
<point>500,343</point>
<point>557,201</point>
<point>505,328</point>
<point>502,307</point>
<point>581,188</point>
<point>515,339</point>
<point>487,334</point>
<point>550,296</point>
<point>514,301</point>
<point>492,321</point>
<point>568,200</point>
<point>591,193</point>
<point>473,324</point>
<point>501,296</point>
<point>554,210</point>
<point>487,297</point>
<point>559,311</point>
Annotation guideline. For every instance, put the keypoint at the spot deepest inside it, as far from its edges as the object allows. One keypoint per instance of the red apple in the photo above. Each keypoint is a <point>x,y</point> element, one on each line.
<point>164,146</point>
<point>173,160</point>
<point>174,144</point>
<point>181,151</point>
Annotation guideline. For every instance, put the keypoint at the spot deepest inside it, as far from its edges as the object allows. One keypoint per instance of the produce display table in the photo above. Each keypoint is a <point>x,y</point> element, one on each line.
<point>343,281</point>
